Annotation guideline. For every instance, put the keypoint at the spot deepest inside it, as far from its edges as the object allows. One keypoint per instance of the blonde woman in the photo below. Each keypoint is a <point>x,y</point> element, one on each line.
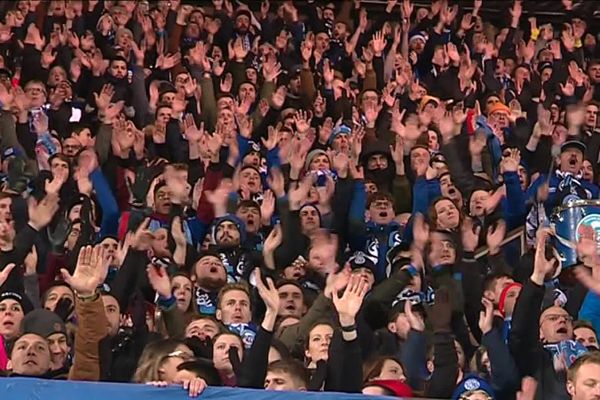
<point>158,366</point>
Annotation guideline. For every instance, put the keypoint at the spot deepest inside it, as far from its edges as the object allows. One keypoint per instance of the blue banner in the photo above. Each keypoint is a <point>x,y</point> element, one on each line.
<point>39,389</point>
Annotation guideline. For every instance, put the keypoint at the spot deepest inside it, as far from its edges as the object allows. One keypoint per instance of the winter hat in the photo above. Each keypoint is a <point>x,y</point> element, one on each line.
<point>473,383</point>
<point>43,323</point>
<point>361,260</point>
<point>22,299</point>
<point>395,387</point>
<point>342,129</point>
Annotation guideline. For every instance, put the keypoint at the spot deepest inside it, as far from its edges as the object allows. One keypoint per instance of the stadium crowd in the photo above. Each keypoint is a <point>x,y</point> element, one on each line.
<point>290,195</point>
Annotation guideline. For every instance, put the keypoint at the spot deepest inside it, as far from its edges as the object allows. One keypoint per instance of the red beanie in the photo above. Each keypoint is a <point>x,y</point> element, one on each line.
<point>398,388</point>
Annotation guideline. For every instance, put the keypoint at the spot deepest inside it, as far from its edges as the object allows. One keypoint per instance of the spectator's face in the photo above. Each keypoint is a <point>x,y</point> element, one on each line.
<point>500,119</point>
<point>340,31</point>
<point>57,293</point>
<point>555,325</point>
<point>417,45</point>
<point>522,74</point>
<point>280,380</point>
<point>56,75</point>
<point>251,218</point>
<point>391,370</point>
<point>439,57</point>
<point>160,246</point>
<point>588,171</point>
<point>559,135</point>
<point>242,23</point>
<point>369,99</point>
<point>591,115</point>
<point>113,314</point>
<point>460,354</point>
<point>202,329</point>
<point>118,69</point>
<point>221,348</point>
<point>419,155</point>
<point>252,158</point>
<point>71,146</point>
<point>59,350</point>
<point>366,275</point>
<point>227,234</point>
<point>110,246</point>
<point>281,40</point>
<point>252,76</point>
<point>84,137</point>
<point>225,103</point>
<point>291,301</point>
<point>5,212</point>
<point>119,15</point>
<point>247,91</point>
<point>381,211</point>
<point>586,383</point>
<point>586,337</point>
<point>226,118</point>
<point>496,290</point>
<point>234,308</point>
<point>571,160</point>
<point>442,250</point>
<point>322,42</point>
<point>251,179</point>
<point>192,30</point>
<point>30,355</point>
<point>163,115</point>
<point>168,98</point>
<point>370,187</point>
<point>57,8</point>
<point>295,271</point>
<point>162,201</point>
<point>7,230</point>
<point>36,92</point>
<point>594,72</point>
<point>433,142</point>
<point>341,144</point>
<point>319,163</point>
<point>319,339</point>
<point>182,290</point>
<point>11,315</point>
<point>210,273</point>
<point>377,162</point>
<point>477,203</point>
<point>309,219</point>
<point>181,80</point>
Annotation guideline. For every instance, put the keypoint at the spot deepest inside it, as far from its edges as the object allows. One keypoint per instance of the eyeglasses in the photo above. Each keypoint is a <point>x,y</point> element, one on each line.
<point>556,317</point>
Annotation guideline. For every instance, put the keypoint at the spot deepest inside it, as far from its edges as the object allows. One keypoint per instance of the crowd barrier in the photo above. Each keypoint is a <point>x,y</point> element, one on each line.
<point>38,389</point>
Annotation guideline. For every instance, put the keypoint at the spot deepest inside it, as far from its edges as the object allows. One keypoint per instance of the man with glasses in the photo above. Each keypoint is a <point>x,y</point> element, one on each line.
<point>542,352</point>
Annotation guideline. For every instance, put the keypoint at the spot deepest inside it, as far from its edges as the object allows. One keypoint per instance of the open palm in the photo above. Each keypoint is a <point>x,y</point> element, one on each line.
<point>91,270</point>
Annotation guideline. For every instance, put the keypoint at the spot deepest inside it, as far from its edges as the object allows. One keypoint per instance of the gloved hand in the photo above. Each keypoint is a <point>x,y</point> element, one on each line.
<point>64,308</point>
<point>58,237</point>
<point>17,179</point>
<point>143,179</point>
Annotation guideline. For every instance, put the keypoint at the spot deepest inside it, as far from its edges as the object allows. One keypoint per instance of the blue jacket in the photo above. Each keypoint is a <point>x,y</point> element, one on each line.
<point>110,209</point>
<point>590,310</point>
<point>558,189</point>
<point>373,239</point>
<point>514,208</point>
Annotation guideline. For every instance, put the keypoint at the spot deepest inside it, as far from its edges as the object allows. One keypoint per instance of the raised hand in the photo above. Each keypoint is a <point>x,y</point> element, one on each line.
<point>90,272</point>
<point>495,236</point>
<point>542,267</point>
<point>6,272</point>
<point>486,316</point>
<point>416,322</point>
<point>348,305</point>
<point>143,237</point>
<point>41,214</point>
<point>159,280</point>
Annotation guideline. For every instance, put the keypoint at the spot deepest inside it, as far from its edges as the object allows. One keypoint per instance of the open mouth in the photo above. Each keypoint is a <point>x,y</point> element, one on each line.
<point>290,307</point>
<point>213,270</point>
<point>572,162</point>
<point>562,331</point>
<point>383,214</point>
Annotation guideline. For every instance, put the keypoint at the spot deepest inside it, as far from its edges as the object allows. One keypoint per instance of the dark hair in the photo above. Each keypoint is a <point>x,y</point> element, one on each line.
<point>292,367</point>
<point>584,324</point>
<point>491,279</point>
<point>372,368</point>
<point>379,195</point>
